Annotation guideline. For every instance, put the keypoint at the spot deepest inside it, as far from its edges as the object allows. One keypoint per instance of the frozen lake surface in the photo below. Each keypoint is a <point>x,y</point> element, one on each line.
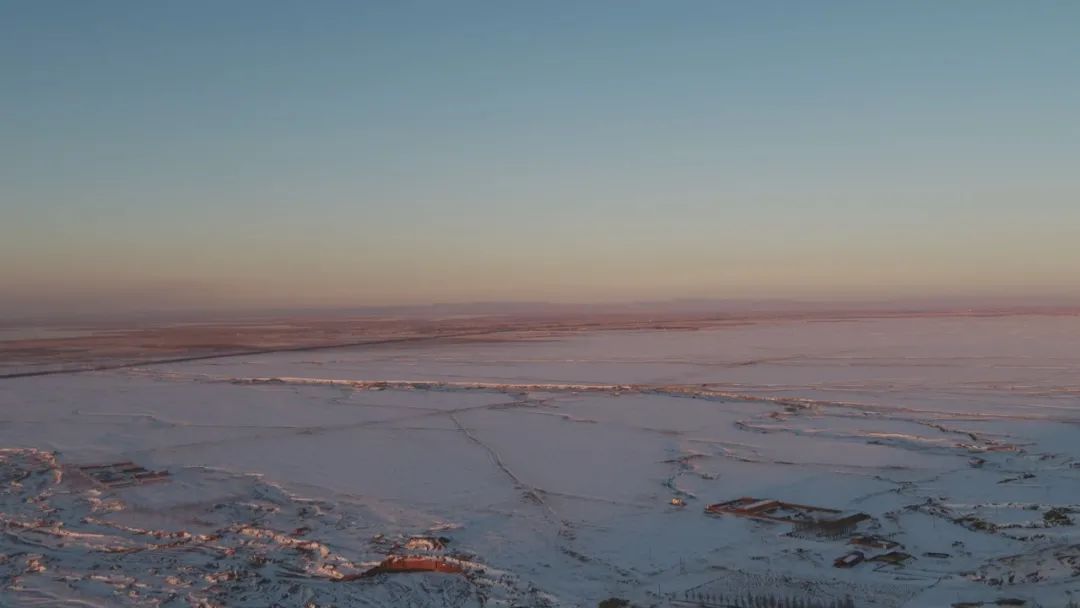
<point>548,467</point>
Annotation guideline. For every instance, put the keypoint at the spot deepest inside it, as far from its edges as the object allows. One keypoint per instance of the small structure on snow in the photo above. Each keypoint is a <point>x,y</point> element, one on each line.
<point>769,509</point>
<point>415,563</point>
<point>830,527</point>
<point>122,474</point>
<point>808,520</point>
<point>426,543</point>
<point>893,558</point>
<point>849,560</point>
<point>874,542</point>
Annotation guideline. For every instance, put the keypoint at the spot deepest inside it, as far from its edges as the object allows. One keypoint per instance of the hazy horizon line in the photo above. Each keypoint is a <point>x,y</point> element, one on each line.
<point>497,307</point>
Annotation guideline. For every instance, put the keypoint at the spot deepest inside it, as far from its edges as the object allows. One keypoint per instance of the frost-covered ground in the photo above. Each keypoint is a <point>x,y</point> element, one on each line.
<point>549,465</point>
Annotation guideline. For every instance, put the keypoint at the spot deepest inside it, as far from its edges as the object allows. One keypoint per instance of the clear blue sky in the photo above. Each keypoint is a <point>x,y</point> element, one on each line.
<point>171,154</point>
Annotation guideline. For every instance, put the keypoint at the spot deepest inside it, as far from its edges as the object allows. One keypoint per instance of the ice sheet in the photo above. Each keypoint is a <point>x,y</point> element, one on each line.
<point>554,462</point>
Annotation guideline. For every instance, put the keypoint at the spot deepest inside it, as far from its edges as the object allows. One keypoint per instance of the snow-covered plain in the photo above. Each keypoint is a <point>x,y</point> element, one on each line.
<point>550,466</point>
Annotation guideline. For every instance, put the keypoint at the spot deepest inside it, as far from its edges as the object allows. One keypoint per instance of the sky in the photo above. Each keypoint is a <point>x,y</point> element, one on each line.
<point>203,154</point>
